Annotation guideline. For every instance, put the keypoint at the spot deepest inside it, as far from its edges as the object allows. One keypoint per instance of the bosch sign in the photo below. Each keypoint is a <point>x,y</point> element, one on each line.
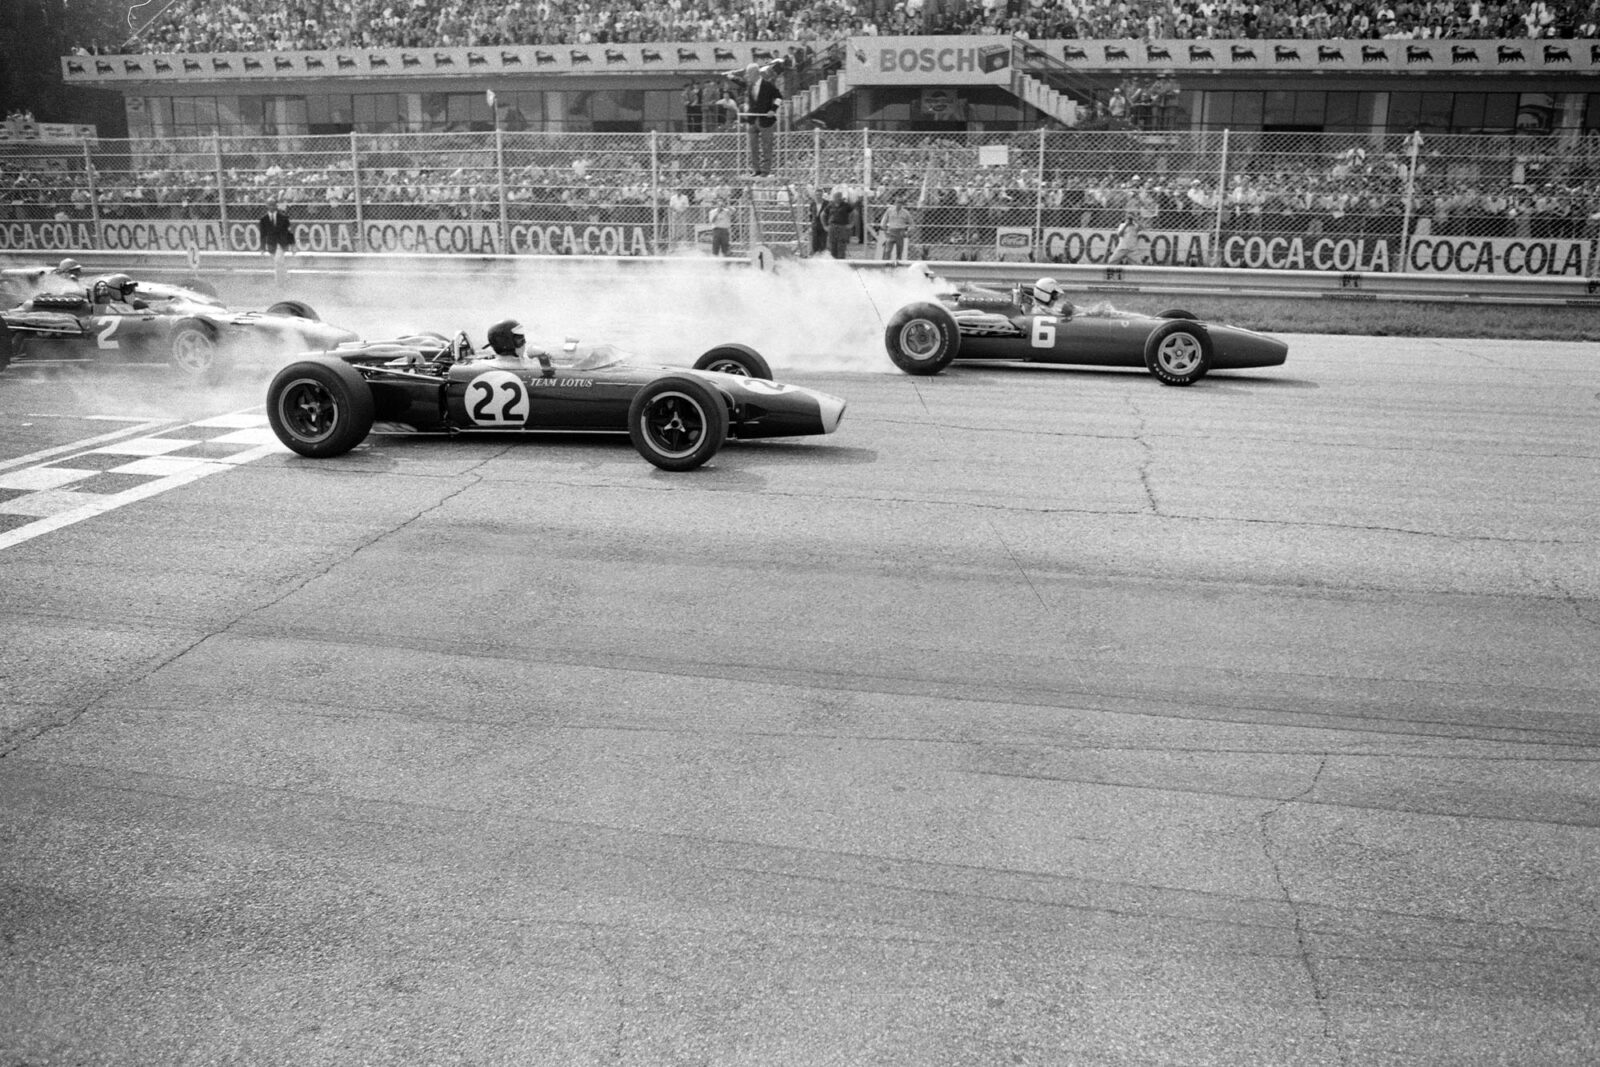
<point>924,61</point>
<point>985,59</point>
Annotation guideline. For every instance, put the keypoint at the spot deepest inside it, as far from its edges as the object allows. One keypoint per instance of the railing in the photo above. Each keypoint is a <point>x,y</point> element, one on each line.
<point>1339,203</point>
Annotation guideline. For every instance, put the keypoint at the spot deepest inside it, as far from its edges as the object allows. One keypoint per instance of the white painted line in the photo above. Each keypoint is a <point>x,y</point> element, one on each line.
<point>84,445</point>
<point>161,466</point>
<point>36,478</point>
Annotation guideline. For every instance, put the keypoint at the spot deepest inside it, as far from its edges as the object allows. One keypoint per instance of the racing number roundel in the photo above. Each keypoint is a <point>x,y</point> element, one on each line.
<point>497,398</point>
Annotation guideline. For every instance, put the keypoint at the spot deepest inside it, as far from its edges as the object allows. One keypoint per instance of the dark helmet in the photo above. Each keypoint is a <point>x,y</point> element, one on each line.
<point>69,267</point>
<point>506,337</point>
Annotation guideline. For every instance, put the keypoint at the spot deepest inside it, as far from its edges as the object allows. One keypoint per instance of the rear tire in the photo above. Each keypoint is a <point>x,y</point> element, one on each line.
<point>735,359</point>
<point>677,422</point>
<point>922,338</point>
<point>1178,353</point>
<point>294,308</point>
<point>320,408</point>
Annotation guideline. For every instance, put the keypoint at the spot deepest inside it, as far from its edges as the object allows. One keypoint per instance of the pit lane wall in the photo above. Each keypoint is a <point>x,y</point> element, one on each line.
<point>304,269</point>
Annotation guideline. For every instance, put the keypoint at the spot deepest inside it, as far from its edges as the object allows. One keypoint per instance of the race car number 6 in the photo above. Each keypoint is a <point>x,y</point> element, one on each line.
<point>1044,331</point>
<point>497,398</point>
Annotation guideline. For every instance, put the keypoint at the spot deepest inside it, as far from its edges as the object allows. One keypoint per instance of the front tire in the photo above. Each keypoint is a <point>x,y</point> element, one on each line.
<point>922,338</point>
<point>320,409</point>
<point>298,309</point>
<point>735,359</point>
<point>1178,313</point>
<point>1178,353</point>
<point>193,351</point>
<point>677,422</point>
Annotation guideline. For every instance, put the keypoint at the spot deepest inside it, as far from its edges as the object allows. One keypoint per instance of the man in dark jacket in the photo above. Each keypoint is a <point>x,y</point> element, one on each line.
<point>761,114</point>
<point>277,232</point>
<point>839,216</point>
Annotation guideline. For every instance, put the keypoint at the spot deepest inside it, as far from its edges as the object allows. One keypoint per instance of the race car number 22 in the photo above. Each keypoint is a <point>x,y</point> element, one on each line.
<point>497,398</point>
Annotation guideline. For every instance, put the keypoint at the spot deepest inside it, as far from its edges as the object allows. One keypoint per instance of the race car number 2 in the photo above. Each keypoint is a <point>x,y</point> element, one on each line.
<point>497,398</point>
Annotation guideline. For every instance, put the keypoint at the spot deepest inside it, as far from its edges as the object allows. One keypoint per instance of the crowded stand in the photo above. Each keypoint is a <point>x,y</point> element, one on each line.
<point>311,25</point>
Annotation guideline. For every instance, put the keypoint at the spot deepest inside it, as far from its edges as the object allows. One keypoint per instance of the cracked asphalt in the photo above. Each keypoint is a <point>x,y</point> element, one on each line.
<point>1038,716</point>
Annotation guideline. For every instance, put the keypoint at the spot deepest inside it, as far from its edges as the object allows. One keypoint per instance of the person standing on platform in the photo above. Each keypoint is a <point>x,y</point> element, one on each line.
<point>760,112</point>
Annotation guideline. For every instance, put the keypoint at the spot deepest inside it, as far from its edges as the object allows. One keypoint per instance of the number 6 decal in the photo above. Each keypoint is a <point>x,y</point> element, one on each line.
<point>1044,331</point>
<point>108,326</point>
<point>497,398</point>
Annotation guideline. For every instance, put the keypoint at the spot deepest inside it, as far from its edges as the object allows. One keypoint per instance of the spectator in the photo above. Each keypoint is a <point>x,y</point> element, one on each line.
<point>277,231</point>
<point>761,115</point>
<point>839,217</point>
<point>896,223</point>
<point>1125,247</point>
<point>721,220</point>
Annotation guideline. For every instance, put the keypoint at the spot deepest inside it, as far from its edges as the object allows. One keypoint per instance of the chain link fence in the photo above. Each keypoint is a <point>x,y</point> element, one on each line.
<point>1339,202</point>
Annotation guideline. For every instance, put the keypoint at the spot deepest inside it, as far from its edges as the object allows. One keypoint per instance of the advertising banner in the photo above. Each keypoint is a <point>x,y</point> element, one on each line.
<point>374,235</point>
<point>365,63</point>
<point>1497,256</point>
<point>928,61</point>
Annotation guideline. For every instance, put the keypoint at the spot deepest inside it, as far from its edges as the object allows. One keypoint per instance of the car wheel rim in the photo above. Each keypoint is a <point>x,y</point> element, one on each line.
<point>674,424</point>
<point>729,366</point>
<point>307,410</point>
<point>193,352</point>
<point>920,339</point>
<point>1180,353</point>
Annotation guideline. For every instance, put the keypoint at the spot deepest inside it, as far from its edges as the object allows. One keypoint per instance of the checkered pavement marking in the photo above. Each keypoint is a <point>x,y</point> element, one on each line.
<point>73,486</point>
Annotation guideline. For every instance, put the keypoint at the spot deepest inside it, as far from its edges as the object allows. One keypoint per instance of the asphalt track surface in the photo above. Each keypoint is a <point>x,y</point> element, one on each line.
<point>1035,717</point>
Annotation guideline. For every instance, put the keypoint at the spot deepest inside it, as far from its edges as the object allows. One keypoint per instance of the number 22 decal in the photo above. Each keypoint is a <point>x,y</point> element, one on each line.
<point>108,326</point>
<point>497,398</point>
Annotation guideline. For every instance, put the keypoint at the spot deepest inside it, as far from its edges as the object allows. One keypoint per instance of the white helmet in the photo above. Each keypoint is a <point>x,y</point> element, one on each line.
<point>920,269</point>
<point>1046,290</point>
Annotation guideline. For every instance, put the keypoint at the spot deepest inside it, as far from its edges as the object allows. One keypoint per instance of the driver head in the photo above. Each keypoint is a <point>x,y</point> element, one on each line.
<point>506,338</point>
<point>1045,290</point>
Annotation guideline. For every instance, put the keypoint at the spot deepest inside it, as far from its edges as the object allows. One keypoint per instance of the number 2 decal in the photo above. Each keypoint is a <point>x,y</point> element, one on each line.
<point>1044,331</point>
<point>497,398</point>
<point>108,326</point>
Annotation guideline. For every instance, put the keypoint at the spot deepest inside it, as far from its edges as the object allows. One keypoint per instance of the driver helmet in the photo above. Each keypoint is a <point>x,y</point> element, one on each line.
<point>1045,290</point>
<point>506,338</point>
<point>70,268</point>
<point>120,286</point>
<point>922,270</point>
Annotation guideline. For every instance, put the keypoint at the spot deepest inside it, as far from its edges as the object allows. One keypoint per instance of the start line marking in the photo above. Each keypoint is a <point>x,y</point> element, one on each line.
<point>130,464</point>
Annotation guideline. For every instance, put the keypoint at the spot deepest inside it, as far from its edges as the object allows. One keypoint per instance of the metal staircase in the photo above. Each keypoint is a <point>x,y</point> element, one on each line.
<point>778,219</point>
<point>1050,84</point>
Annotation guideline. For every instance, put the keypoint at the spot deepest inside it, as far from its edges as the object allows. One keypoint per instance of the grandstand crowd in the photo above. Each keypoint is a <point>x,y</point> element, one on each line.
<point>310,25</point>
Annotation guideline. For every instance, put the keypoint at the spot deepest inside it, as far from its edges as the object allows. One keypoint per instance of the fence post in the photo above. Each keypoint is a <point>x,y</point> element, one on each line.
<point>816,159</point>
<point>655,194</point>
<point>866,185</point>
<point>500,178</point>
<point>359,243</point>
<point>94,196</point>
<point>222,191</point>
<point>1415,141</point>
<point>1222,204</point>
<point>1038,199</point>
